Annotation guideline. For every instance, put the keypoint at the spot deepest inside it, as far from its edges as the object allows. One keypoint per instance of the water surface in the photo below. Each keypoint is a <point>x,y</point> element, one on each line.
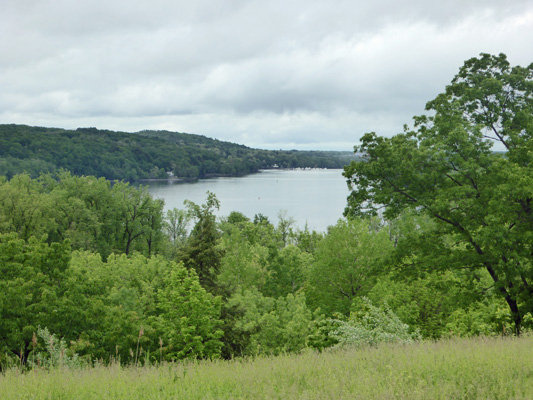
<point>316,197</point>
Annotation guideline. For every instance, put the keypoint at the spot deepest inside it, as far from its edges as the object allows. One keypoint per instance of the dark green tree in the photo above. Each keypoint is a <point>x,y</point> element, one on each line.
<point>201,252</point>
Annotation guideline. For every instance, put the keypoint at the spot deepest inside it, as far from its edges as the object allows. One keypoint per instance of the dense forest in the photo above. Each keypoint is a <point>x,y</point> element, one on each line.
<point>100,270</point>
<point>436,242</point>
<point>143,155</point>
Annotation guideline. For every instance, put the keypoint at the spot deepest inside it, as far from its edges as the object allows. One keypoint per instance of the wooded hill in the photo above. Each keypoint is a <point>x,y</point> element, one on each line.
<point>143,155</point>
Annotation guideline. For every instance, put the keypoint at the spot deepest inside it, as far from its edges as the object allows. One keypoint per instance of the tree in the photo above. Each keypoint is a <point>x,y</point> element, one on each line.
<point>140,218</point>
<point>33,278</point>
<point>190,317</point>
<point>200,252</point>
<point>175,225</point>
<point>84,212</point>
<point>288,271</point>
<point>285,227</point>
<point>116,299</point>
<point>346,265</point>
<point>271,326</point>
<point>24,209</point>
<point>244,264</point>
<point>448,168</point>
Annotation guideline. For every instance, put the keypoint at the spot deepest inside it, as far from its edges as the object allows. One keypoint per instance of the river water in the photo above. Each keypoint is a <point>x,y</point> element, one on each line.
<point>314,197</point>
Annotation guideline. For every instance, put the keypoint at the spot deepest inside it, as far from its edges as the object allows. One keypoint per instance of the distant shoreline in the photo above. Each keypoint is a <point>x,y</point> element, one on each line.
<point>165,180</point>
<point>212,176</point>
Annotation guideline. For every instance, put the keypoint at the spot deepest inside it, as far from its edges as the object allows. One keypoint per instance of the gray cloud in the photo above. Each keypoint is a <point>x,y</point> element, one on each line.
<point>301,74</point>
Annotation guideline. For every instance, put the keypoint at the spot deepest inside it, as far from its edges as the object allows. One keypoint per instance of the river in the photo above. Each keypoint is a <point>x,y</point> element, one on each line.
<point>315,197</point>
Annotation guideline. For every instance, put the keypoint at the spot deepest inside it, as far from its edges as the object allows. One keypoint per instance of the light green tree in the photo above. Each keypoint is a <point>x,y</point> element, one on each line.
<point>271,326</point>
<point>244,265</point>
<point>24,208</point>
<point>33,277</point>
<point>175,225</point>
<point>347,263</point>
<point>288,271</point>
<point>189,320</point>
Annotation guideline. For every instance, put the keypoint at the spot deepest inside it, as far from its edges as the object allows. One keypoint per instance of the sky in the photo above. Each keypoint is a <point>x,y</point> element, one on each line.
<point>272,74</point>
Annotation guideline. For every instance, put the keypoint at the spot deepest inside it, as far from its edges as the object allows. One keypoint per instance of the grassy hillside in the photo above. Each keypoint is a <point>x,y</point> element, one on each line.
<point>142,155</point>
<point>478,368</point>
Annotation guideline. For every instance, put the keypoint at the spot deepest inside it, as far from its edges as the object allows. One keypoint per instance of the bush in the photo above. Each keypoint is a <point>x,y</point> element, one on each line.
<point>56,352</point>
<point>371,325</point>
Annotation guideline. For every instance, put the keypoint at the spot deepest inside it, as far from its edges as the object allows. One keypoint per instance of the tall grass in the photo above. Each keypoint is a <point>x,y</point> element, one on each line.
<point>481,368</point>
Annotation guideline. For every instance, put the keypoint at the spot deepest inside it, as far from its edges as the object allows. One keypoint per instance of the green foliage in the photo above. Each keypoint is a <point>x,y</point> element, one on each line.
<point>273,326</point>
<point>140,217</point>
<point>119,297</point>
<point>189,318</point>
<point>429,300</point>
<point>245,265</point>
<point>256,270</point>
<point>175,225</point>
<point>56,352</point>
<point>347,263</point>
<point>201,252</point>
<point>142,155</point>
<point>255,256</point>
<point>32,291</point>
<point>308,240</point>
<point>24,208</point>
<point>87,211</point>
<point>371,325</point>
<point>321,331</point>
<point>484,318</point>
<point>288,272</point>
<point>446,169</point>
<point>236,217</point>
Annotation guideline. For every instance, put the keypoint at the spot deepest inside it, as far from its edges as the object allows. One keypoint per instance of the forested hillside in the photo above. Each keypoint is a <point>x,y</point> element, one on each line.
<point>142,155</point>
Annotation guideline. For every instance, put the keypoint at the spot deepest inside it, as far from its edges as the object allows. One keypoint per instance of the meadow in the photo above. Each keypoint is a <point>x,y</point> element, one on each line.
<point>476,368</point>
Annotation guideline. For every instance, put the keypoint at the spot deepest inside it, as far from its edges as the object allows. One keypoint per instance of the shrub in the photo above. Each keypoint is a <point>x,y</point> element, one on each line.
<point>56,354</point>
<point>371,325</point>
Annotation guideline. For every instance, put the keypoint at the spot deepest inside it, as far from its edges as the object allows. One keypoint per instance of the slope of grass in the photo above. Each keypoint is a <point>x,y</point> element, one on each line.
<point>457,369</point>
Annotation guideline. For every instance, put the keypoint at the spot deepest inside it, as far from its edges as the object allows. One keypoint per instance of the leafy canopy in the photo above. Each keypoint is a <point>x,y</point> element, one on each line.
<point>468,167</point>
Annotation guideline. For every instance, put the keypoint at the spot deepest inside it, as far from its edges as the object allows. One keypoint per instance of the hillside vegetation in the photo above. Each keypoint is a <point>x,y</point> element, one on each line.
<point>436,244</point>
<point>142,155</point>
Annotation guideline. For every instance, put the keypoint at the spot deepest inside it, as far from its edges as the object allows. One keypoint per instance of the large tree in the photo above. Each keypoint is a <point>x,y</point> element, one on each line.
<point>468,166</point>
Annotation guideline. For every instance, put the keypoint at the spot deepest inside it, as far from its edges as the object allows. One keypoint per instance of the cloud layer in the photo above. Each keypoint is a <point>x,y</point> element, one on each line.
<point>308,74</point>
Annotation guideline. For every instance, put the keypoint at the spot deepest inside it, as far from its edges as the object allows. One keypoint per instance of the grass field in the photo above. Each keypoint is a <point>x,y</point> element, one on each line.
<point>481,368</point>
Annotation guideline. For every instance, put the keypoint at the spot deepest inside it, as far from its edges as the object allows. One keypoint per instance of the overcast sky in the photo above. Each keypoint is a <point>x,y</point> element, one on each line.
<point>280,74</point>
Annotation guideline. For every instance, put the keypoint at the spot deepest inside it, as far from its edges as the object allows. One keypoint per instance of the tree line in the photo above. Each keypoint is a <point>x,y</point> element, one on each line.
<point>143,155</point>
<point>102,267</point>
